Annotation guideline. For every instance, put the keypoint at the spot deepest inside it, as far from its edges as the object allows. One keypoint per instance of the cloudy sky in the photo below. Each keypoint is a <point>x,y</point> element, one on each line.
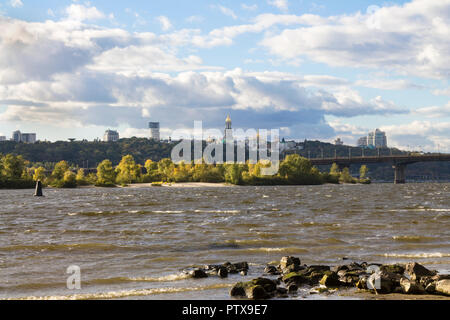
<point>316,69</point>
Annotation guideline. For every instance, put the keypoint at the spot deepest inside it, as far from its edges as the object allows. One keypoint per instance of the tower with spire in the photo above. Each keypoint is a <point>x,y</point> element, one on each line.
<point>228,130</point>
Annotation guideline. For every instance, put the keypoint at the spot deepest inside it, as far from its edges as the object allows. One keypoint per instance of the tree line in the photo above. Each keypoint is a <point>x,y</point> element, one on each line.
<point>15,172</point>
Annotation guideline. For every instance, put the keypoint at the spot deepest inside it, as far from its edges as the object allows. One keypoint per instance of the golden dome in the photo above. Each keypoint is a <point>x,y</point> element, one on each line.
<point>228,119</point>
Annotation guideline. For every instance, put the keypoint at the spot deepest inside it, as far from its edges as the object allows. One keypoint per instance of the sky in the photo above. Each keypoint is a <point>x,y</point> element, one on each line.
<point>316,70</point>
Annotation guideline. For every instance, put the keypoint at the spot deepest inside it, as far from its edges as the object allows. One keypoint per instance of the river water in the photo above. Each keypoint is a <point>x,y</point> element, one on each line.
<point>133,243</point>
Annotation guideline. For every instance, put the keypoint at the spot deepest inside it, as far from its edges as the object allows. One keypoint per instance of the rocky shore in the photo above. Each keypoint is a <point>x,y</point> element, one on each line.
<point>285,279</point>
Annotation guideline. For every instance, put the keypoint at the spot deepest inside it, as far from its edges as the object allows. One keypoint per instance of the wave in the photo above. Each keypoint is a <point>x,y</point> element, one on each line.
<point>123,294</point>
<point>417,255</point>
<point>56,247</point>
<point>411,238</point>
<point>218,211</point>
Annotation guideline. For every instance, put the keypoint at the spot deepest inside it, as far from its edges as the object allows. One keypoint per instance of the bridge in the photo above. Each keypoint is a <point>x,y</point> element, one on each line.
<point>399,162</point>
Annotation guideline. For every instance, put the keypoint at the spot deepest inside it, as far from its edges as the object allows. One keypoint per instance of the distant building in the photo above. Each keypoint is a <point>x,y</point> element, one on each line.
<point>17,136</point>
<point>290,145</point>
<point>155,133</point>
<point>338,142</point>
<point>375,139</point>
<point>2,138</point>
<point>362,142</point>
<point>228,130</point>
<point>111,136</point>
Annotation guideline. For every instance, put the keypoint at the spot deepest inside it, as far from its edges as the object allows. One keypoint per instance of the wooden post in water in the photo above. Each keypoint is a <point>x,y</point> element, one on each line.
<point>38,192</point>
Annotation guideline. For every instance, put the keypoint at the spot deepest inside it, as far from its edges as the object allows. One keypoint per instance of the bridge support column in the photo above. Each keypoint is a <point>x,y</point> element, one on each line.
<point>400,177</point>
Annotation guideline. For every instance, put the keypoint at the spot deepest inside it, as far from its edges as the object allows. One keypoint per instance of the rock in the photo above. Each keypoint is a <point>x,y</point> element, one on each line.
<point>411,287</point>
<point>340,268</point>
<point>431,288</point>
<point>238,290</point>
<point>256,293</point>
<point>362,283</point>
<point>271,270</point>
<point>267,284</point>
<point>349,279</point>
<point>443,287</point>
<point>298,278</point>
<point>244,273</point>
<point>397,290</point>
<point>222,272</point>
<point>282,292</point>
<point>292,288</point>
<point>380,283</point>
<point>234,268</point>
<point>416,271</point>
<point>198,274</point>
<point>241,266</point>
<point>289,264</point>
<point>393,268</point>
<point>330,280</point>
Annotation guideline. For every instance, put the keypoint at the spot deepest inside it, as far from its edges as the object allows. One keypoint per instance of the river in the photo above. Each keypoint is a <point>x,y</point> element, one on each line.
<point>133,243</point>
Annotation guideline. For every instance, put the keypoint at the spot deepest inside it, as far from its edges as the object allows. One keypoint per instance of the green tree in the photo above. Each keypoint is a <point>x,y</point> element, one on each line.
<point>298,170</point>
<point>60,169</point>
<point>39,174</point>
<point>127,170</point>
<point>106,175</point>
<point>13,167</point>
<point>233,174</point>
<point>345,176</point>
<point>70,180</point>
<point>363,172</point>
<point>335,170</point>
<point>81,178</point>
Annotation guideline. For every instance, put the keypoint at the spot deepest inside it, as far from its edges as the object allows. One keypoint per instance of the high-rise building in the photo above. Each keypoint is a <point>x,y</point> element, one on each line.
<point>228,130</point>
<point>111,136</point>
<point>155,133</point>
<point>338,142</point>
<point>375,139</point>
<point>17,136</point>
<point>362,142</point>
<point>2,138</point>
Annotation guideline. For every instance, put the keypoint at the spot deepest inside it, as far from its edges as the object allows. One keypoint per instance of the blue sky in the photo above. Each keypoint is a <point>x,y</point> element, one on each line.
<point>315,69</point>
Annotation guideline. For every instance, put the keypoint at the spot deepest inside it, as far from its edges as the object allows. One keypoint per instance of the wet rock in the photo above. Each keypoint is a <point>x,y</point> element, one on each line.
<point>256,293</point>
<point>244,273</point>
<point>339,268</point>
<point>238,290</point>
<point>259,288</point>
<point>380,283</point>
<point>362,283</point>
<point>198,274</point>
<point>290,264</point>
<point>417,271</point>
<point>349,279</point>
<point>443,287</point>
<point>272,270</point>
<point>298,278</point>
<point>292,288</point>
<point>282,292</point>
<point>411,286</point>
<point>393,268</point>
<point>431,288</point>
<point>234,268</point>
<point>222,272</point>
<point>241,266</point>
<point>330,280</point>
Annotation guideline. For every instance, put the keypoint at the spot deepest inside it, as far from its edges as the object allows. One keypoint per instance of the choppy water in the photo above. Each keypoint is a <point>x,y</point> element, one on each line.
<point>133,243</point>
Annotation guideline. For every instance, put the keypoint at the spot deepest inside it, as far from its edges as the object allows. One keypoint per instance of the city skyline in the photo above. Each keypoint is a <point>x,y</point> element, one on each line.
<point>315,69</point>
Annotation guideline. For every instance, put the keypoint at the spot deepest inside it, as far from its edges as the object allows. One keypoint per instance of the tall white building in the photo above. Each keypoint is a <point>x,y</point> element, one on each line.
<point>111,136</point>
<point>375,139</point>
<point>17,136</point>
<point>155,133</point>
<point>228,130</point>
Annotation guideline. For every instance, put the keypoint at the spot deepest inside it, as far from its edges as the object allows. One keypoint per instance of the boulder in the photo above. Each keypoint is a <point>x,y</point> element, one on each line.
<point>198,274</point>
<point>393,268</point>
<point>330,280</point>
<point>282,292</point>
<point>256,292</point>
<point>222,272</point>
<point>443,287</point>
<point>431,288</point>
<point>380,283</point>
<point>411,286</point>
<point>299,278</point>
<point>292,288</point>
<point>417,271</point>
<point>289,264</point>
<point>238,290</point>
<point>271,270</point>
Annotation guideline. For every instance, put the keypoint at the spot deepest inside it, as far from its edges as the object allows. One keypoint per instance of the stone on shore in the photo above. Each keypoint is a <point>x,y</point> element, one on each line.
<point>393,268</point>
<point>272,270</point>
<point>411,287</point>
<point>443,287</point>
<point>290,264</point>
<point>417,271</point>
<point>198,274</point>
<point>330,280</point>
<point>260,288</point>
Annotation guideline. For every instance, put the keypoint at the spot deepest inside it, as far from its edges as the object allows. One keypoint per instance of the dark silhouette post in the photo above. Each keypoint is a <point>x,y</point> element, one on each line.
<point>38,192</point>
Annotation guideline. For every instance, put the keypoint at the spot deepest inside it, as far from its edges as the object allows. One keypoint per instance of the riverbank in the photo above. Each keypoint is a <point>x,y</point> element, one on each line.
<point>180,185</point>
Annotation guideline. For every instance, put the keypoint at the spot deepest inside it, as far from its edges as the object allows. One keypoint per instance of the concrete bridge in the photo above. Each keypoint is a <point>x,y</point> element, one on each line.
<point>399,163</point>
